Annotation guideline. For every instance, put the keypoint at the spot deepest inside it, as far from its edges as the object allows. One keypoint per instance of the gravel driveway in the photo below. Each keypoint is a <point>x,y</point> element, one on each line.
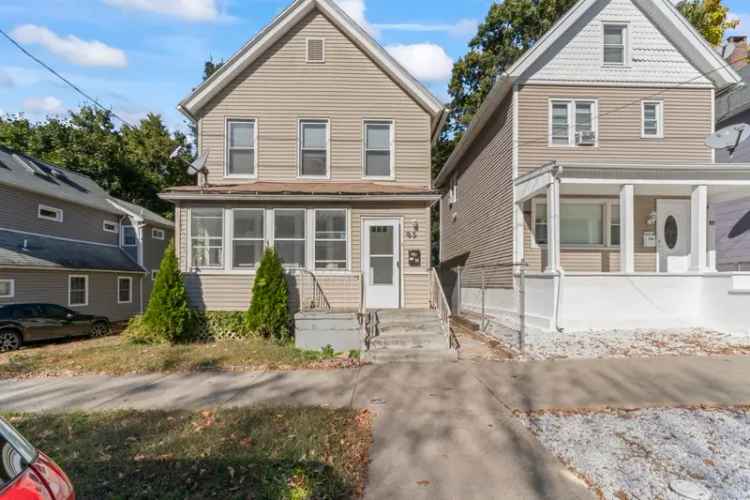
<point>646,454</point>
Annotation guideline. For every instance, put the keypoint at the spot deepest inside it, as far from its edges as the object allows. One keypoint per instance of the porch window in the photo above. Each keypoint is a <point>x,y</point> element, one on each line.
<point>378,149</point>
<point>207,237</point>
<point>614,225</point>
<point>247,238</point>
<point>330,240</point>
<point>653,120</point>
<point>581,223</point>
<point>615,39</point>
<point>289,236</point>
<point>573,123</point>
<point>313,148</point>
<point>241,148</point>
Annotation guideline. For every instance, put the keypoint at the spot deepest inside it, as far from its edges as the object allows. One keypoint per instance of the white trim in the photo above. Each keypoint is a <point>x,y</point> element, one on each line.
<point>659,119</point>
<point>114,229</point>
<point>392,162</point>
<point>71,277</point>
<point>327,122</point>
<point>310,198</point>
<point>12,288</point>
<point>70,269</point>
<point>123,230</point>
<point>314,238</point>
<point>626,54</point>
<point>398,223</point>
<point>283,23</point>
<point>227,140</point>
<point>307,50</point>
<point>158,233</point>
<point>453,190</point>
<point>572,103</point>
<point>129,279</point>
<point>41,235</point>
<point>713,121</point>
<point>619,84</point>
<point>222,265</point>
<point>154,273</point>
<point>58,217</point>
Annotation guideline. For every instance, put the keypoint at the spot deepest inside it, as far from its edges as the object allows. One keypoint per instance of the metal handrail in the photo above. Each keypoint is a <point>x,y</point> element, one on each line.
<point>319,297</point>
<point>439,302</point>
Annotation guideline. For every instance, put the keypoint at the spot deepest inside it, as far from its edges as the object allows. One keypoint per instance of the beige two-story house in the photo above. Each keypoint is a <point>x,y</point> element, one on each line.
<point>316,143</point>
<point>580,195</point>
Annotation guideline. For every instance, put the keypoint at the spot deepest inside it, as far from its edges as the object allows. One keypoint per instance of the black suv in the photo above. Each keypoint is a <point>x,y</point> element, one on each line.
<point>21,323</point>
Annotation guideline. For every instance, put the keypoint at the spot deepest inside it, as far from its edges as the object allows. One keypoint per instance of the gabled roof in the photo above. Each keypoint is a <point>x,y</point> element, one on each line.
<point>284,22</point>
<point>23,172</point>
<point>661,13</point>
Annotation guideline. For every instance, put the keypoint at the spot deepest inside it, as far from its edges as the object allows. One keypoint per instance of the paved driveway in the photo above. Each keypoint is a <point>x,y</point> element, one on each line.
<point>442,431</point>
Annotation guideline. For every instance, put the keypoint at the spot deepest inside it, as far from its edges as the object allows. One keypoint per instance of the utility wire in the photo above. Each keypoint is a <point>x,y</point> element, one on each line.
<point>65,80</point>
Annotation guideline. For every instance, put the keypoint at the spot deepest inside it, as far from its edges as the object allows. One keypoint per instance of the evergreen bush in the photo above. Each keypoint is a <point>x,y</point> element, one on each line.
<point>269,311</point>
<point>168,317</point>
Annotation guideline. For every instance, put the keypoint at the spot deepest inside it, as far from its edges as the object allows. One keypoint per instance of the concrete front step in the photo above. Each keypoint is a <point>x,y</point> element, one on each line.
<point>417,316</point>
<point>325,324</point>
<point>428,327</point>
<point>409,341</point>
<point>382,356</point>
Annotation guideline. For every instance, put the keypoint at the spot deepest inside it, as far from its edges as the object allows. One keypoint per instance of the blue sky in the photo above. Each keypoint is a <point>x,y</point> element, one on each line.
<point>139,56</point>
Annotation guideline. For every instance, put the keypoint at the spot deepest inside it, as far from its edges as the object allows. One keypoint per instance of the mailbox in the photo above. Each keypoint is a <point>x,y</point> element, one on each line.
<point>415,258</point>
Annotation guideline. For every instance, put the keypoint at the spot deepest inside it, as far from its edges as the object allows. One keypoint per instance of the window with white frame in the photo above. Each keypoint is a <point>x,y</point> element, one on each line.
<point>7,289</point>
<point>453,190</point>
<point>124,290</point>
<point>248,240</point>
<point>653,119</point>
<point>614,224</point>
<point>241,148</point>
<point>581,222</point>
<point>129,238</point>
<point>207,237</point>
<point>289,236</point>
<point>109,226</point>
<point>573,122</point>
<point>331,240</point>
<point>157,234</point>
<point>313,148</point>
<point>615,44</point>
<point>78,290</point>
<point>379,149</point>
<point>50,213</point>
<point>154,274</point>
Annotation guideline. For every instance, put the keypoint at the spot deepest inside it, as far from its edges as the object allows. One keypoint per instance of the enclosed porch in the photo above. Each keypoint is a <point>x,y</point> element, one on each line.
<point>627,246</point>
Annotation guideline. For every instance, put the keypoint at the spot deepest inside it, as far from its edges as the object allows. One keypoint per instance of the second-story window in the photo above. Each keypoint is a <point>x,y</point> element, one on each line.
<point>129,238</point>
<point>653,120</point>
<point>615,44</point>
<point>240,148</point>
<point>379,149</point>
<point>313,148</point>
<point>573,123</point>
<point>50,213</point>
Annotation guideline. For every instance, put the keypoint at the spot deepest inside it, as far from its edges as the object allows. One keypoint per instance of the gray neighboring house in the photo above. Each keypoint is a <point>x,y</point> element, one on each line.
<point>732,216</point>
<point>64,240</point>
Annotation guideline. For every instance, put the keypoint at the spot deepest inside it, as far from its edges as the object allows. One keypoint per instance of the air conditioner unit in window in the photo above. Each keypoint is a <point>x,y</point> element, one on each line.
<point>586,138</point>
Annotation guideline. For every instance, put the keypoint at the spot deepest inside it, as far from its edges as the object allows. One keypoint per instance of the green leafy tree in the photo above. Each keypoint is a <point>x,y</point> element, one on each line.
<point>209,68</point>
<point>269,311</point>
<point>709,17</point>
<point>168,317</point>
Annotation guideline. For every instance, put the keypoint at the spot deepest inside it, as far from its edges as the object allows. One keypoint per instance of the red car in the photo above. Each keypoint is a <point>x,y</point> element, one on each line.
<point>28,474</point>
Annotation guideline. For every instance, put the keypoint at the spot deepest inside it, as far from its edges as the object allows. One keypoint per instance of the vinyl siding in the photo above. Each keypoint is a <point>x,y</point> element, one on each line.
<point>280,88</point>
<point>687,122</point>
<point>224,291</point>
<point>478,230</point>
<point>19,211</point>
<point>52,287</point>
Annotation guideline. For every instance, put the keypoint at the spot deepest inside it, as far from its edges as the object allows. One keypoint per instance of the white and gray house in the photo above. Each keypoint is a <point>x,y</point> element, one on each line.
<point>64,240</point>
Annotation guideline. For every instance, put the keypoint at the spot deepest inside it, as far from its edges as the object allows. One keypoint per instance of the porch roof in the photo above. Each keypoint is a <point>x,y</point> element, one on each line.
<point>312,191</point>
<point>710,174</point>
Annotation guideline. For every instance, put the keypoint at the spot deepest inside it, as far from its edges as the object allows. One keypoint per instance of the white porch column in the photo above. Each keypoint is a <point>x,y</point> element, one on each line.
<point>699,229</point>
<point>627,229</point>
<point>553,227</point>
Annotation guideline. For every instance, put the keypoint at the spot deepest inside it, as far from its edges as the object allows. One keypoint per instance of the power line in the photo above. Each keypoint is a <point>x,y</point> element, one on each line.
<point>65,80</point>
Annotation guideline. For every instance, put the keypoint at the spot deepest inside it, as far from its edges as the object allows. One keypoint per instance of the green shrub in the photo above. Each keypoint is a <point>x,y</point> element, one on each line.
<point>269,311</point>
<point>168,317</point>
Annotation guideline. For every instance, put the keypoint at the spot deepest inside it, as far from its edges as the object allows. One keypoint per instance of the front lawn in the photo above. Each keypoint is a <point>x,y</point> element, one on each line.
<point>305,453</point>
<point>117,356</point>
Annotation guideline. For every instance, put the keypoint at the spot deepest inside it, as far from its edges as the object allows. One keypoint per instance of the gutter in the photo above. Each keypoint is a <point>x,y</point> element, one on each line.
<point>306,198</point>
<point>439,126</point>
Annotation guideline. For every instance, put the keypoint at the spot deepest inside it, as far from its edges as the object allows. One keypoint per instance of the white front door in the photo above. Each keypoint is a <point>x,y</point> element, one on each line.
<point>673,235</point>
<point>380,264</point>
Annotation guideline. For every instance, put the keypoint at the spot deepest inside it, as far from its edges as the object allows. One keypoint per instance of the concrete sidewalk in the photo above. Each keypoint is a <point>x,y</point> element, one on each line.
<point>442,431</point>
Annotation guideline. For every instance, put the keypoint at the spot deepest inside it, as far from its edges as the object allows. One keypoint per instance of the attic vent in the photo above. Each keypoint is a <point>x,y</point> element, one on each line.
<point>315,50</point>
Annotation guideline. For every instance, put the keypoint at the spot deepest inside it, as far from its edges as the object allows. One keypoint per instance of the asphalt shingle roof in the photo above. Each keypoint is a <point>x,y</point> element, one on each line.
<point>24,250</point>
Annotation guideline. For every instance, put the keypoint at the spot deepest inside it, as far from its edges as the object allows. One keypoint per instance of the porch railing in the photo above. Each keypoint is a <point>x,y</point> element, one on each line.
<point>317,298</point>
<point>439,303</point>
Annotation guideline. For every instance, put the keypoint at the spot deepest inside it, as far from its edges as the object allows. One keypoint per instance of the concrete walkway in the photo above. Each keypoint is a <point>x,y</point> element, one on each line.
<point>442,431</point>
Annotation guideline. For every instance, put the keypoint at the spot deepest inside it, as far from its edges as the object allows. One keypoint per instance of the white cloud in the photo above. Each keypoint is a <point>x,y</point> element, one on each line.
<point>461,28</point>
<point>45,105</point>
<point>72,48</point>
<point>191,10</point>
<point>356,10</point>
<point>744,27</point>
<point>426,61</point>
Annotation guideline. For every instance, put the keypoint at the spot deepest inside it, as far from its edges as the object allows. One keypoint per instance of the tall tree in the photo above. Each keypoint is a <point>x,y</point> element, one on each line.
<point>710,18</point>
<point>209,68</point>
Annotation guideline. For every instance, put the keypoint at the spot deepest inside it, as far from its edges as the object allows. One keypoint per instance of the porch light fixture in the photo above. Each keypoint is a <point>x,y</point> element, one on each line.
<point>415,229</point>
<point>651,221</point>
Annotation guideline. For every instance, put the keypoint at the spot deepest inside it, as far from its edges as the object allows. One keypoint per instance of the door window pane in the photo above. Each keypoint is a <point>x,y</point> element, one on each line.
<point>381,240</point>
<point>313,148</point>
<point>330,239</point>
<point>248,238</point>
<point>381,270</point>
<point>289,237</point>
<point>207,237</point>
<point>241,147</point>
